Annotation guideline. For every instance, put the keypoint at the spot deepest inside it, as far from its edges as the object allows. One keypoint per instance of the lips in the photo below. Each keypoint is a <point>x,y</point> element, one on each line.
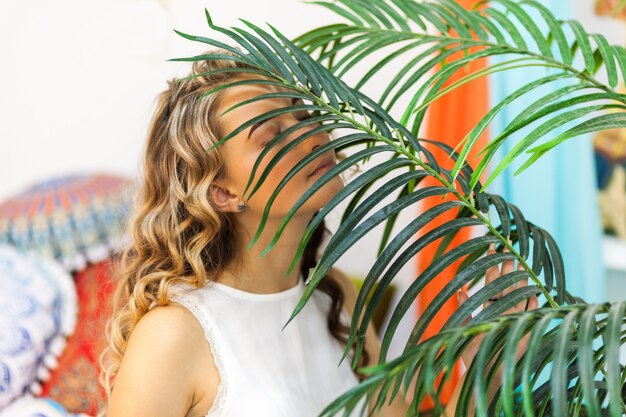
<point>328,161</point>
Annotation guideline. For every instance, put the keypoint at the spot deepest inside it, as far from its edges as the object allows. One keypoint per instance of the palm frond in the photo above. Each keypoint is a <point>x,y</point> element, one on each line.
<point>584,377</point>
<point>373,131</point>
<point>491,28</point>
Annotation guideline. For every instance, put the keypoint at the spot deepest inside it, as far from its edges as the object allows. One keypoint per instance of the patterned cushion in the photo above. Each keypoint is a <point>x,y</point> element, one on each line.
<point>72,219</point>
<point>39,309</point>
<point>74,383</point>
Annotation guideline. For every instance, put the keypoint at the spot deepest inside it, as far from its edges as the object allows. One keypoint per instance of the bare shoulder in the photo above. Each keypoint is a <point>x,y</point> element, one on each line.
<point>158,374</point>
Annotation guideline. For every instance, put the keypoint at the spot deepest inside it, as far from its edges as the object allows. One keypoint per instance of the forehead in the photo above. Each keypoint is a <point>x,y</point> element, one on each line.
<point>233,95</point>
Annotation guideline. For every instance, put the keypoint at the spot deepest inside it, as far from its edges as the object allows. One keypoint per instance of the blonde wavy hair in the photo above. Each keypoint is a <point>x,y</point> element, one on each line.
<point>176,234</point>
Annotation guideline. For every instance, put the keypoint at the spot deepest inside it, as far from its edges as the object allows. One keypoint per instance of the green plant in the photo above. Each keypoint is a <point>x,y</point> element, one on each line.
<point>373,25</point>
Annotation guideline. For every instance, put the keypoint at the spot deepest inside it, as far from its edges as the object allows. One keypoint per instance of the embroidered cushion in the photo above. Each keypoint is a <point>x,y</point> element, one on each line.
<point>39,309</point>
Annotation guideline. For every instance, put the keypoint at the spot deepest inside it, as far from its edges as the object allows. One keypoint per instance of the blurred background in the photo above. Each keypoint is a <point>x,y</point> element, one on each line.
<point>80,80</point>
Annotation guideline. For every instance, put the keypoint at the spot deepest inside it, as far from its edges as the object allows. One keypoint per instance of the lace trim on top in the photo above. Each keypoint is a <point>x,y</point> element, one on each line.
<point>217,407</point>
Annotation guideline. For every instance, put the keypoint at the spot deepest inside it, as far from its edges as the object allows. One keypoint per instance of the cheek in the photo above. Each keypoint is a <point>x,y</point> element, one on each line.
<point>271,181</point>
<point>281,168</point>
<point>277,174</point>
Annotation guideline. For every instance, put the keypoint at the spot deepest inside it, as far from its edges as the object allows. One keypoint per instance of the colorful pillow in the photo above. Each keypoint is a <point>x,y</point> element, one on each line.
<point>39,309</point>
<point>74,383</point>
<point>72,219</point>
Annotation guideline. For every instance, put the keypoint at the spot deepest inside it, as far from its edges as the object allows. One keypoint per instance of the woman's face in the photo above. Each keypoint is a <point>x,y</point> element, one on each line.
<point>242,150</point>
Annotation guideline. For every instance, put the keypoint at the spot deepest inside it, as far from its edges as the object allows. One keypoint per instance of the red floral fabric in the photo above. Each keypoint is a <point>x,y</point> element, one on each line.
<point>74,383</point>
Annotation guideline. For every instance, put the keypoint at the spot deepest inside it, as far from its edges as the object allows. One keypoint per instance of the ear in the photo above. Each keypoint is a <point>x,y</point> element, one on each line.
<point>224,200</point>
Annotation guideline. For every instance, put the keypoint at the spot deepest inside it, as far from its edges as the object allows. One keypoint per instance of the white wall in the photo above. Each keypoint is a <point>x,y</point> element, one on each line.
<point>80,79</point>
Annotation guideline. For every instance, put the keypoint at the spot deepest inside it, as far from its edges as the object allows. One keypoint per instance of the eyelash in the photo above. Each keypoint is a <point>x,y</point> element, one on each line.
<point>309,114</point>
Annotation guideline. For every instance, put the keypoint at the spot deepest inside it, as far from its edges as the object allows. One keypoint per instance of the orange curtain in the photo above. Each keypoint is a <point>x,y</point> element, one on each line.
<point>448,120</point>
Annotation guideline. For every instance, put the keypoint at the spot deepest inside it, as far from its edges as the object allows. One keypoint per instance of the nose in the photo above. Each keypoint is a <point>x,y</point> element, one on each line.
<point>313,140</point>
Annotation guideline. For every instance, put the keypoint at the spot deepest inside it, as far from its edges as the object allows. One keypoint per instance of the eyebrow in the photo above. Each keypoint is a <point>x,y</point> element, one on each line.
<point>260,122</point>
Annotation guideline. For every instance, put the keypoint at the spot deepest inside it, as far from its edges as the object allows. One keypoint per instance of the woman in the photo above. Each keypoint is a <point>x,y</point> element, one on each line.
<point>196,328</point>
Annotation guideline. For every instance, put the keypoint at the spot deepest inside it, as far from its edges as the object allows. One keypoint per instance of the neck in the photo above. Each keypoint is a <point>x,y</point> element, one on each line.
<point>268,274</point>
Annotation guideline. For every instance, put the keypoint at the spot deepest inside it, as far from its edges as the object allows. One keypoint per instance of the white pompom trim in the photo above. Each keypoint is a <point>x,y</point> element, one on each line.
<point>35,388</point>
<point>43,374</point>
<point>50,361</point>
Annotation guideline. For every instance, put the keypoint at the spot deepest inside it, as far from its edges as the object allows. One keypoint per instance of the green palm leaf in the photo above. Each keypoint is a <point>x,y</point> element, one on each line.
<point>497,30</point>
<point>552,333</point>
<point>316,86</point>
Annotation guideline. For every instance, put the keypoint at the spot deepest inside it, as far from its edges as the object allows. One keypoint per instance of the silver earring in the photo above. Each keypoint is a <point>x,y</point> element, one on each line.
<point>242,207</point>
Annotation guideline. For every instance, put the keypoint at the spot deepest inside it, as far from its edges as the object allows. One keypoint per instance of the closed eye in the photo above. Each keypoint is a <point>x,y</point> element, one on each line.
<point>272,131</point>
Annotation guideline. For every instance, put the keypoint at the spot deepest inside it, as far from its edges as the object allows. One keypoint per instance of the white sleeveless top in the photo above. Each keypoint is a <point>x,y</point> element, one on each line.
<point>266,372</point>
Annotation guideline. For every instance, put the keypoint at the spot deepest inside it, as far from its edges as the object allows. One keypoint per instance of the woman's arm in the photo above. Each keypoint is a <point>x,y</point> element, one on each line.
<point>156,377</point>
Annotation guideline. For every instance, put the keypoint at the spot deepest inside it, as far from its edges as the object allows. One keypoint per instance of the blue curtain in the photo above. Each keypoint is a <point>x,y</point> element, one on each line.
<point>558,192</point>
